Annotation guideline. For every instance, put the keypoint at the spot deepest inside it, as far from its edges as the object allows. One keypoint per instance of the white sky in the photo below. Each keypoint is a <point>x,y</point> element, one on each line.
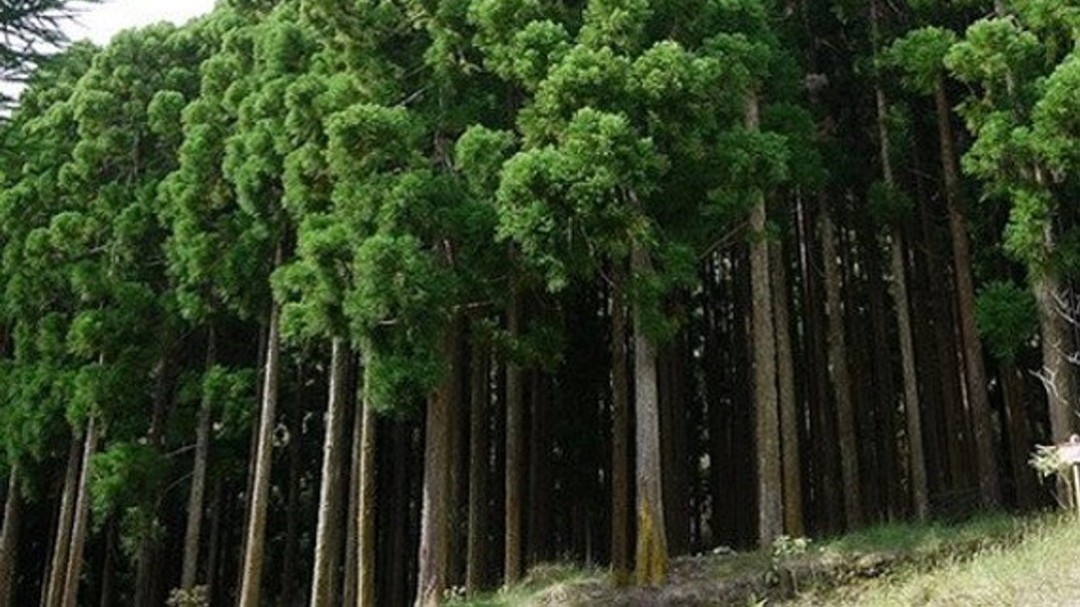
<point>101,22</point>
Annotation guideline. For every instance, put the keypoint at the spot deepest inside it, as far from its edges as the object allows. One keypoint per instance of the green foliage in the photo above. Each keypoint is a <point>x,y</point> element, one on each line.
<point>888,206</point>
<point>920,56</point>
<point>123,477</point>
<point>1007,318</point>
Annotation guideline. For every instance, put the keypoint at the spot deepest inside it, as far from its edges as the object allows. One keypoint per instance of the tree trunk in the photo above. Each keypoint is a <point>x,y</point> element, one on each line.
<point>1056,373</point>
<point>367,532</point>
<point>916,460</point>
<point>478,463</point>
<point>620,429</point>
<point>324,584</point>
<point>251,581</point>
<point>147,577</point>
<point>9,538</point>
<point>62,541</point>
<point>1019,435</point>
<point>652,554</point>
<point>252,457</point>
<point>766,414</point>
<point>213,551</point>
<point>196,496</point>
<point>434,515</point>
<point>515,448</point>
<point>458,466</point>
<point>537,535</point>
<point>80,524</point>
<point>794,525</point>
<point>290,551</point>
<point>841,377</point>
<point>401,516</point>
<point>352,524</point>
<point>982,421</point>
<point>108,568</point>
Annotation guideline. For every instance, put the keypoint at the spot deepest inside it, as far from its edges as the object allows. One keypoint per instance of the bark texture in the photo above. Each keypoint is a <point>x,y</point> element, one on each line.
<point>367,533</point>
<point>196,496</point>
<point>975,370</point>
<point>620,429</point>
<point>841,377</point>
<point>324,584</point>
<point>9,538</point>
<point>651,565</point>
<point>62,540</point>
<point>251,576</point>
<point>434,515</point>
<point>794,524</point>
<point>478,464</point>
<point>515,449</point>
<point>763,335</point>
<point>80,523</point>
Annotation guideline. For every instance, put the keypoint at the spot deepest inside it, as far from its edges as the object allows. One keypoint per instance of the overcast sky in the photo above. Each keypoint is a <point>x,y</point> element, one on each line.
<point>101,22</point>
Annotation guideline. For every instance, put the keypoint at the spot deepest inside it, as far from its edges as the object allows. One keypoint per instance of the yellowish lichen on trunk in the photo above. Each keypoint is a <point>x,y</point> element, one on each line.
<point>652,563</point>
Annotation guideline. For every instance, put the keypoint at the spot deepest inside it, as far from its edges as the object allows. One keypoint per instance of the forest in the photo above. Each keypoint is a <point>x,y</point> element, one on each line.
<point>377,302</point>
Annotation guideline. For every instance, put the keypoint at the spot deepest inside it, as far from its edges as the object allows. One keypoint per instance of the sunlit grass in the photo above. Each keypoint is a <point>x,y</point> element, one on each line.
<point>923,563</point>
<point>1042,569</point>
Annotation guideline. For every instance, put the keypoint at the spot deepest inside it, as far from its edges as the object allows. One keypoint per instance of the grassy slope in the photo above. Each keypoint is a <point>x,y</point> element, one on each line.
<point>1044,569</point>
<point>887,565</point>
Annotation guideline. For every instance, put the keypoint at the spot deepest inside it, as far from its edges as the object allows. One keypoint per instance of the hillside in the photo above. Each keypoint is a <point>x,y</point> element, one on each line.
<point>987,561</point>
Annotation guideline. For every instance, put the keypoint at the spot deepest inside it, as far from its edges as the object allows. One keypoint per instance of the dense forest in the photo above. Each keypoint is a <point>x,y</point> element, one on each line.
<point>372,302</point>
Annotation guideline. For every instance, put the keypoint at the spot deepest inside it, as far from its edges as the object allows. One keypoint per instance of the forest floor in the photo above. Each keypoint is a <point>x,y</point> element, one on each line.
<point>988,561</point>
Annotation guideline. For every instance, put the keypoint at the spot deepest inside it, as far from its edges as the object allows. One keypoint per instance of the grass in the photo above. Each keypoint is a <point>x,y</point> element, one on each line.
<point>1042,569</point>
<point>892,564</point>
<point>926,537</point>
<point>541,580</point>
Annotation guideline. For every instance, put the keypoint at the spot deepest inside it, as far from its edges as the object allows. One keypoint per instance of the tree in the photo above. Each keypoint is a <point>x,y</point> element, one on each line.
<point>921,54</point>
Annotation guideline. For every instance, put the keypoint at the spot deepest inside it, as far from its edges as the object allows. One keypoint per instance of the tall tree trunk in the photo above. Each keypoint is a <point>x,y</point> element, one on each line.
<point>434,515</point>
<point>352,522</point>
<point>794,525</point>
<point>478,462</point>
<point>290,551</point>
<point>766,413</point>
<point>213,550</point>
<point>108,568</point>
<point>537,535</point>
<point>1019,435</point>
<point>982,421</point>
<point>196,496</point>
<point>147,578</point>
<point>841,377</point>
<point>673,441</point>
<point>916,461</point>
<point>458,468</point>
<point>652,554</point>
<point>827,487</point>
<point>367,533</point>
<point>1056,373</point>
<point>916,457</point>
<point>401,515</point>
<point>620,429</point>
<point>80,523</point>
<point>9,538</point>
<point>324,584</point>
<point>62,542</point>
<point>252,458</point>
<point>251,580</point>
<point>515,447</point>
